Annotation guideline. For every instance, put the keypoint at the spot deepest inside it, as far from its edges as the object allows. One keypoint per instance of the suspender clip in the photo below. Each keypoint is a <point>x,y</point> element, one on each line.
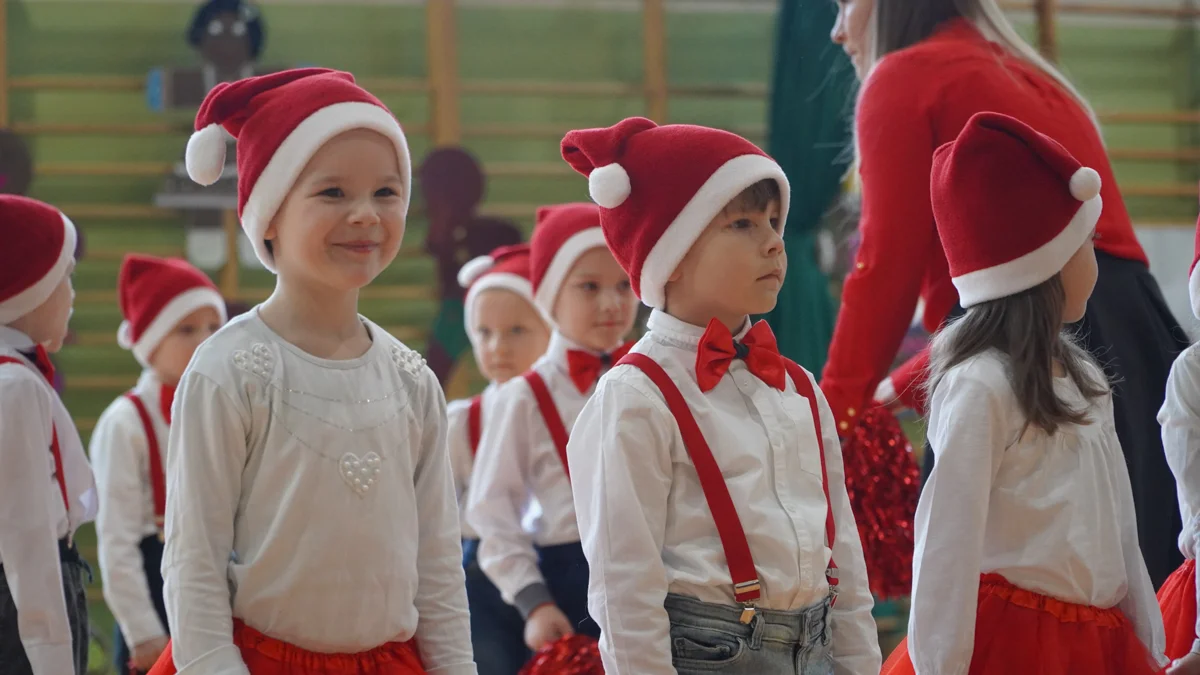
<point>748,612</point>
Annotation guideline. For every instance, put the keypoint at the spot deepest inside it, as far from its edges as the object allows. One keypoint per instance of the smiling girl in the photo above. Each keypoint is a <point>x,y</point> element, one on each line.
<point>311,524</point>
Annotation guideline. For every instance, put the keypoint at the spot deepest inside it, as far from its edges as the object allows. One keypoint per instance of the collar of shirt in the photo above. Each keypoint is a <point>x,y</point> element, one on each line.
<point>15,339</point>
<point>682,334</point>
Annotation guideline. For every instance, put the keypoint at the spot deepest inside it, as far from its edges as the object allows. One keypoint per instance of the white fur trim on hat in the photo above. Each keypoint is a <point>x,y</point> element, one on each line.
<point>165,321</point>
<point>473,269</point>
<point>608,185</point>
<point>205,154</point>
<point>499,281</point>
<point>721,187</point>
<point>31,298</point>
<point>292,156</point>
<point>581,242</point>
<point>1194,290</point>
<point>1033,268</point>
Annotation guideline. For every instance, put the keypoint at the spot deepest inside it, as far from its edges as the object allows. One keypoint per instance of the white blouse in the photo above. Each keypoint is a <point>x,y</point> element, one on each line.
<point>313,500</point>
<point>32,515</point>
<point>1180,420</point>
<point>517,469</point>
<point>1052,514</point>
<point>120,457</point>
<point>646,525</point>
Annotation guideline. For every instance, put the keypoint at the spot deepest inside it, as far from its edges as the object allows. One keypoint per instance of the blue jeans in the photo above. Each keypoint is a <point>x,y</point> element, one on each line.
<point>710,638</point>
<point>497,629</point>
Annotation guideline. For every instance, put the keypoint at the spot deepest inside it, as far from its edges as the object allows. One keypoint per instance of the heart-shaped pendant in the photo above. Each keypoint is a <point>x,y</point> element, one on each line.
<point>360,474</point>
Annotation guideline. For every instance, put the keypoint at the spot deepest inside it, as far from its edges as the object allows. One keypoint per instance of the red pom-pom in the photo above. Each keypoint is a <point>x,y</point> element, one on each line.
<point>883,481</point>
<point>572,655</point>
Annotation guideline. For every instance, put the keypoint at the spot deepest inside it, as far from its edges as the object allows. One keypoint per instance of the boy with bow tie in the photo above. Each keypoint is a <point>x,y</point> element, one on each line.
<point>46,487</point>
<point>709,483</point>
<point>169,308</point>
<point>522,457</point>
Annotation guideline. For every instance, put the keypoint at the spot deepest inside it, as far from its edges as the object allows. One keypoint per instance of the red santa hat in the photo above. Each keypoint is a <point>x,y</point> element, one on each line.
<point>1194,275</point>
<point>658,187</point>
<point>1012,206</point>
<point>155,294</point>
<point>562,234</point>
<point>39,245</point>
<point>280,120</point>
<point>505,268</point>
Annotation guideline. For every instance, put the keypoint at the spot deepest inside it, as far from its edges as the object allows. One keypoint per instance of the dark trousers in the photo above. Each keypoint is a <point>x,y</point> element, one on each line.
<point>12,652</point>
<point>497,629</point>
<point>565,570</point>
<point>1131,332</point>
<point>152,551</point>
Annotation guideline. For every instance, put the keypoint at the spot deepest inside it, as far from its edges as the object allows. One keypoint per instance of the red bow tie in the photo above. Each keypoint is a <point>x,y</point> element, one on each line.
<point>586,367</point>
<point>41,359</point>
<point>166,396</point>
<point>758,349</point>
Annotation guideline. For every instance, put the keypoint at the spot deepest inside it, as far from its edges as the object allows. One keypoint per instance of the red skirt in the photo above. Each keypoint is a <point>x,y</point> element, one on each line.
<point>1177,599</point>
<point>1018,631</point>
<point>265,655</point>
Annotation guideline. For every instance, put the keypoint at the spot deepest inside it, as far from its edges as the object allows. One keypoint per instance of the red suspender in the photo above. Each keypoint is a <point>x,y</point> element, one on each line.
<point>551,416</point>
<point>158,481</point>
<point>746,586</point>
<point>55,450</point>
<point>804,387</point>
<point>475,424</point>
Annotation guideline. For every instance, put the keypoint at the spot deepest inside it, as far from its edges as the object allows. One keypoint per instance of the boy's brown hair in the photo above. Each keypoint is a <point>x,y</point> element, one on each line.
<point>757,197</point>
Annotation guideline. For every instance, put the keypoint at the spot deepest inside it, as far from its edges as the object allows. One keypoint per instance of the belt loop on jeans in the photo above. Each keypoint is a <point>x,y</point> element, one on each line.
<point>757,628</point>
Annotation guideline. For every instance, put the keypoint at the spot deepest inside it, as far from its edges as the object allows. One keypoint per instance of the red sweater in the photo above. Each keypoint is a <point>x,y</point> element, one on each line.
<point>915,100</point>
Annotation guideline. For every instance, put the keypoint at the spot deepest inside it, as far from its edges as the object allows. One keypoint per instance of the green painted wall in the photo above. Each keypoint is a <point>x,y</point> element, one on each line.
<point>1127,68</point>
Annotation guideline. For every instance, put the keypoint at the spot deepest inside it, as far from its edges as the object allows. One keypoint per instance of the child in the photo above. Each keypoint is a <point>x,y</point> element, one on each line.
<point>508,334</point>
<point>701,461</point>
<point>169,307</point>
<point>1180,420</point>
<point>311,524</point>
<point>522,454</point>
<point>46,487</point>
<point>1027,556</point>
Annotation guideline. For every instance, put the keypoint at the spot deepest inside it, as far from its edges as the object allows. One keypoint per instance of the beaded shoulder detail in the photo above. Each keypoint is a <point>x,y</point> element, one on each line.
<point>259,360</point>
<point>408,360</point>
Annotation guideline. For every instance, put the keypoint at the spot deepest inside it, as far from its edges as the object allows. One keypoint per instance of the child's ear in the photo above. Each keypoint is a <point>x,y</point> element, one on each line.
<point>675,276</point>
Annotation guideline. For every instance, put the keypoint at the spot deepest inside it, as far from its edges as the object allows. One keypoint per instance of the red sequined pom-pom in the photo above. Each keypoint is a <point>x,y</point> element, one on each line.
<point>572,655</point>
<point>883,481</point>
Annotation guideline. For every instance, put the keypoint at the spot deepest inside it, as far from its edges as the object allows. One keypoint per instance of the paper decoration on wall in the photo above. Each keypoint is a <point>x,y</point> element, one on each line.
<point>228,37</point>
<point>452,184</point>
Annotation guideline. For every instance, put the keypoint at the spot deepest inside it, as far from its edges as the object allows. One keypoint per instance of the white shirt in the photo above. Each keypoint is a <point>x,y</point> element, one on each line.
<point>313,500</point>
<point>518,465</point>
<point>1180,420</point>
<point>462,455</point>
<point>32,515</point>
<point>647,528</point>
<point>120,458</point>
<point>1052,514</point>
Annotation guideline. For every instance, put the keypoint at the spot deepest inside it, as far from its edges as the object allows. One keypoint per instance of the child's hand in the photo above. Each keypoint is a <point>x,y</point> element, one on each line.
<point>147,653</point>
<point>1188,665</point>
<point>545,625</point>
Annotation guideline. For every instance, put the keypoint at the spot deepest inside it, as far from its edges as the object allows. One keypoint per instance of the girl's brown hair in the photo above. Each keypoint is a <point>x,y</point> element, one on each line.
<point>1027,329</point>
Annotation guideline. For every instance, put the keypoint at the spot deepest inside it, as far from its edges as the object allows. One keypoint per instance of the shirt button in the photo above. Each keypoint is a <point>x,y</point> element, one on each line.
<point>851,412</point>
<point>860,266</point>
<point>843,425</point>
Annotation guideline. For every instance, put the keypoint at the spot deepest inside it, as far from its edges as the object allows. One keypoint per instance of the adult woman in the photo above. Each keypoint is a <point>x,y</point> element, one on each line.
<point>927,66</point>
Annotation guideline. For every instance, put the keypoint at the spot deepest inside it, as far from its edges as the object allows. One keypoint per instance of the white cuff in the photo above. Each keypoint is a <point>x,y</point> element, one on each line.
<point>886,391</point>
<point>1196,647</point>
<point>225,660</point>
<point>51,658</point>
